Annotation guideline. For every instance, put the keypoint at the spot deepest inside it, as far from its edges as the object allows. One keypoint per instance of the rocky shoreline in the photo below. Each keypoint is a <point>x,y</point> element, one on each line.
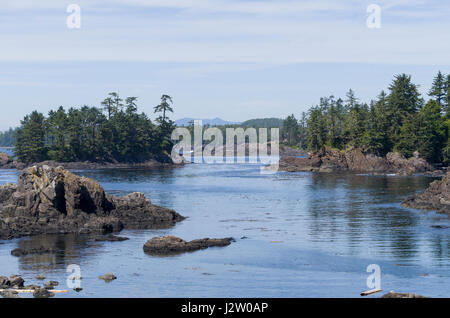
<point>49,200</point>
<point>354,160</point>
<point>7,162</point>
<point>435,197</point>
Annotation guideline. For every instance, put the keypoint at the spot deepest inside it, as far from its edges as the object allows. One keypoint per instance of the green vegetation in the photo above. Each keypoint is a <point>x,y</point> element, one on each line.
<point>7,138</point>
<point>399,120</point>
<point>114,133</point>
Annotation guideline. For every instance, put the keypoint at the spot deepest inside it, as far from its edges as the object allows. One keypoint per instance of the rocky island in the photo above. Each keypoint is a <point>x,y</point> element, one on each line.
<point>354,160</point>
<point>435,197</point>
<point>49,200</point>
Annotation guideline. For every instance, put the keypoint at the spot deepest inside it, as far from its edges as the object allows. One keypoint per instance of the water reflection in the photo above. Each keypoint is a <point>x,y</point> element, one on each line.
<point>69,249</point>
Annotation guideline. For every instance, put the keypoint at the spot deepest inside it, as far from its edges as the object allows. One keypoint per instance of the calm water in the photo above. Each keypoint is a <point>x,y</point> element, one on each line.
<point>308,235</point>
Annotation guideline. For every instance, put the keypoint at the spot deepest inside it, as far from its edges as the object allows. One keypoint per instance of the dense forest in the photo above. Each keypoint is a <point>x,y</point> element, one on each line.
<point>7,138</point>
<point>397,120</point>
<point>116,132</point>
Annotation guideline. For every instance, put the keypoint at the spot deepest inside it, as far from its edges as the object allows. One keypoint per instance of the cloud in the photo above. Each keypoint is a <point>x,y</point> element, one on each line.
<point>219,31</point>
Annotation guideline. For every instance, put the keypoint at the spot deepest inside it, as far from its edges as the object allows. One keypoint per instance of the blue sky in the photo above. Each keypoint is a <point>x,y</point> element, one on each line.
<point>217,58</point>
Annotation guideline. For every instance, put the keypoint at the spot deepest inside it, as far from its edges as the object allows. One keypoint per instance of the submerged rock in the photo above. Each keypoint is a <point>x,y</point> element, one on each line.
<point>108,277</point>
<point>354,160</point>
<point>435,197</point>
<point>54,200</point>
<point>168,245</point>
<point>393,294</point>
<point>40,277</point>
<point>111,238</point>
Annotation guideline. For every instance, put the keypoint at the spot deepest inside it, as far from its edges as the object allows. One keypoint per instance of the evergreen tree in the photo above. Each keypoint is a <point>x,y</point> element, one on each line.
<point>290,130</point>
<point>432,132</point>
<point>317,129</point>
<point>438,89</point>
<point>403,101</point>
<point>29,143</point>
<point>165,106</point>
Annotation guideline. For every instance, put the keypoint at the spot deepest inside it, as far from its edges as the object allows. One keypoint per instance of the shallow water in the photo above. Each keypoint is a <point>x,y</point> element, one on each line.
<point>307,235</point>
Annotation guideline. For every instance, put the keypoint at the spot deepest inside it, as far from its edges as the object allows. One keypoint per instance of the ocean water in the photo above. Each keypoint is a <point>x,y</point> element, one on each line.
<point>297,235</point>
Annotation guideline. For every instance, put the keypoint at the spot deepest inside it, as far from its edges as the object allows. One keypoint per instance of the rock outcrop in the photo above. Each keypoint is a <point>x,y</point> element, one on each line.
<point>54,200</point>
<point>435,197</point>
<point>354,160</point>
<point>169,245</point>
<point>393,294</point>
<point>7,162</point>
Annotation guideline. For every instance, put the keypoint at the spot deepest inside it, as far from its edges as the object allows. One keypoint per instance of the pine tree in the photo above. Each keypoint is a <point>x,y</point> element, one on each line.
<point>316,130</point>
<point>403,101</point>
<point>29,143</point>
<point>290,130</point>
<point>438,89</point>
<point>432,132</point>
<point>165,106</point>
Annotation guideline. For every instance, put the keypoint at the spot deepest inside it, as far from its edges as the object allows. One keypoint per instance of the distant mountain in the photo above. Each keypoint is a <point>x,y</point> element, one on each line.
<point>263,123</point>
<point>211,122</point>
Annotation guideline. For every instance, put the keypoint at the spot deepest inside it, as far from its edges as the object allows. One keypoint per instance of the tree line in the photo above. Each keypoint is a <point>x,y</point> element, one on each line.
<point>114,132</point>
<point>7,137</point>
<point>397,120</point>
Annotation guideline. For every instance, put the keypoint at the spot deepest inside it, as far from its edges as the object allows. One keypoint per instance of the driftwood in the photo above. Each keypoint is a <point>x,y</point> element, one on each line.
<point>369,292</point>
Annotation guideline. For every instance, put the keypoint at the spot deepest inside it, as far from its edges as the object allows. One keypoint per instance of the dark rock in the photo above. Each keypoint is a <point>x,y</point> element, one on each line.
<point>78,289</point>
<point>435,197</point>
<point>111,238</point>
<point>31,251</point>
<point>355,160</point>
<point>32,287</point>
<point>168,245</point>
<point>42,293</point>
<point>7,162</point>
<point>393,294</point>
<point>4,282</point>
<point>56,201</point>
<point>108,277</point>
<point>440,227</point>
<point>16,281</point>
<point>9,294</point>
<point>50,284</point>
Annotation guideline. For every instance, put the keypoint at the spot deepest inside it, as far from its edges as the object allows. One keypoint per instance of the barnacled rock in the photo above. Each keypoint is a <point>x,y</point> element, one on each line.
<point>168,245</point>
<point>54,200</point>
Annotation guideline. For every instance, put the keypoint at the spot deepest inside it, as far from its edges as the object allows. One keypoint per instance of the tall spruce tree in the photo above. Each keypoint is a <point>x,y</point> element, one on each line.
<point>29,144</point>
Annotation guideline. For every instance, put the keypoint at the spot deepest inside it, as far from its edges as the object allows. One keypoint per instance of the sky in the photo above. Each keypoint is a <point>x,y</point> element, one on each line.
<point>217,58</point>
